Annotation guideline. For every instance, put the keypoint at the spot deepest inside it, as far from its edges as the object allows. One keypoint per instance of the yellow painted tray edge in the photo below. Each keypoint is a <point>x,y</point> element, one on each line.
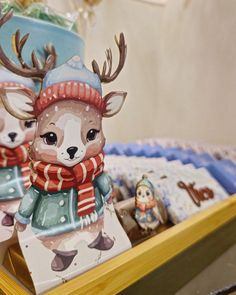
<point>123,270</point>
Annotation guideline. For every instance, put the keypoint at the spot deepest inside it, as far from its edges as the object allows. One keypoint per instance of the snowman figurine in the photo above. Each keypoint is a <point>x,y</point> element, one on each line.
<point>149,210</point>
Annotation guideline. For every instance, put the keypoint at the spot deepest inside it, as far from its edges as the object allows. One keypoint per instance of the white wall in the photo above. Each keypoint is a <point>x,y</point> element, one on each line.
<point>197,70</point>
<point>180,72</point>
<point>139,22</point>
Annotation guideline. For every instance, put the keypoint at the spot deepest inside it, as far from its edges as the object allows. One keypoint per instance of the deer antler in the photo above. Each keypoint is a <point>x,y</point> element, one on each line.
<point>50,50</point>
<point>106,76</point>
<point>35,72</point>
<point>18,45</point>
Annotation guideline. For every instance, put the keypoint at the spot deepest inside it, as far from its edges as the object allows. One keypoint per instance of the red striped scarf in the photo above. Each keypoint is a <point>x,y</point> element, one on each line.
<point>55,178</point>
<point>145,206</point>
<point>16,157</point>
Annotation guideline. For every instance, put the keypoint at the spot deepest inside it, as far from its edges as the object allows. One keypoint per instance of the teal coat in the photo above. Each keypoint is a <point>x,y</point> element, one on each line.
<point>11,184</point>
<point>56,213</point>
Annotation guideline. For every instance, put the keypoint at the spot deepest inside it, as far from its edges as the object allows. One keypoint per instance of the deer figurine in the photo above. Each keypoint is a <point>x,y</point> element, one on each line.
<point>65,203</point>
<point>15,134</point>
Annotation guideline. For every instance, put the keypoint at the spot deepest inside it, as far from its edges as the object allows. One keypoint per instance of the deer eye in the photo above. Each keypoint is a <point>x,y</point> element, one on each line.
<point>50,138</point>
<point>91,135</point>
<point>29,124</point>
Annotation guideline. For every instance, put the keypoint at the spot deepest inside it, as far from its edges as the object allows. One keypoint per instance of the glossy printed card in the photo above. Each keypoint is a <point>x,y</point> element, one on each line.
<point>66,216</point>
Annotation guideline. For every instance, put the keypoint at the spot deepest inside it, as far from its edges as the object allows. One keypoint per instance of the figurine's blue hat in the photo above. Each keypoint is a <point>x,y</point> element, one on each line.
<point>145,182</point>
<point>71,80</point>
<point>73,70</point>
<point>8,79</point>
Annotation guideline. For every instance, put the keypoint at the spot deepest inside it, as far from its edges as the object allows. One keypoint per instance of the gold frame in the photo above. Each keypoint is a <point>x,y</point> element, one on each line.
<point>120,272</point>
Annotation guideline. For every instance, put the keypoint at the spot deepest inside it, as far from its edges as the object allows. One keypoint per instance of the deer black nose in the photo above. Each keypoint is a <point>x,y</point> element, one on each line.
<point>12,136</point>
<point>71,151</point>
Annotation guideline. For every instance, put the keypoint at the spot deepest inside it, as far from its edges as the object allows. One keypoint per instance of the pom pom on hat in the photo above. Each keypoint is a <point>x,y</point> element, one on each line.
<point>75,62</point>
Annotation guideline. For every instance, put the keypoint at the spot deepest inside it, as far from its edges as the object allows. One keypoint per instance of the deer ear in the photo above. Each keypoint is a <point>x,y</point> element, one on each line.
<point>19,102</point>
<point>114,102</point>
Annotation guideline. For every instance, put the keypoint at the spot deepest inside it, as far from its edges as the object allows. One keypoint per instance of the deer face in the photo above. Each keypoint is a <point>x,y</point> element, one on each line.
<point>14,132</point>
<point>68,132</point>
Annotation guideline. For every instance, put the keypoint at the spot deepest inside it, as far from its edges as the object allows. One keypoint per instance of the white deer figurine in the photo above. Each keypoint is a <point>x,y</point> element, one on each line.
<point>65,204</point>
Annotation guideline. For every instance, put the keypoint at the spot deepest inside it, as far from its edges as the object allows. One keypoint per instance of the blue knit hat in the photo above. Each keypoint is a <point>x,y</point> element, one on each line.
<point>71,80</point>
<point>8,79</point>
<point>73,70</point>
<point>145,182</point>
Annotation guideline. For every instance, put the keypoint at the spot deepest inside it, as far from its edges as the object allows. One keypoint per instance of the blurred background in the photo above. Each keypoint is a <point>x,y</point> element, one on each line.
<point>180,71</point>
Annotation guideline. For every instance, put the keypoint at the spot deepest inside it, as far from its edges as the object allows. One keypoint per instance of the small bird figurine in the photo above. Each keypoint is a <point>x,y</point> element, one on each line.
<point>149,210</point>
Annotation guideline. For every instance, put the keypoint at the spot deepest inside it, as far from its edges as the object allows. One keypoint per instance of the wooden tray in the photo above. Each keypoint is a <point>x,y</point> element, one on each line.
<point>122,271</point>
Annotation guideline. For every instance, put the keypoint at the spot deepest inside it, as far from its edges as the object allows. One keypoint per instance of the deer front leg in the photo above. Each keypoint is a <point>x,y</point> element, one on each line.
<point>9,208</point>
<point>26,209</point>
